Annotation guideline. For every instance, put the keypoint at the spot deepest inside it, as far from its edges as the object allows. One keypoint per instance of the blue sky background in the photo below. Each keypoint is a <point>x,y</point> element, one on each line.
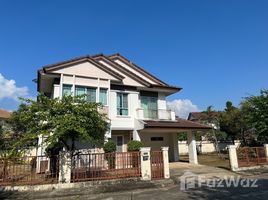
<point>216,50</point>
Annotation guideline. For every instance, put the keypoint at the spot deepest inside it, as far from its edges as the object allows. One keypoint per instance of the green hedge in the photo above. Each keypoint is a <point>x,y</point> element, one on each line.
<point>134,145</point>
<point>109,147</point>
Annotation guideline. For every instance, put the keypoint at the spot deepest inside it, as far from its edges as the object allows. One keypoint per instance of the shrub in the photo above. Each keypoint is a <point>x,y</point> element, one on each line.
<point>109,147</point>
<point>134,145</point>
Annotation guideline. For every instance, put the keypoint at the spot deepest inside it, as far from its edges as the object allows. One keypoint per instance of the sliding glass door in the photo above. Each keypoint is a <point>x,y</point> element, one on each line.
<point>149,106</point>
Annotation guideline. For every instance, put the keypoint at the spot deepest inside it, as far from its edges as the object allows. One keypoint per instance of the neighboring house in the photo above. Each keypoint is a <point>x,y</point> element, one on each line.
<point>5,131</point>
<point>207,145</point>
<point>202,117</point>
<point>134,100</point>
<point>4,120</point>
<point>5,115</point>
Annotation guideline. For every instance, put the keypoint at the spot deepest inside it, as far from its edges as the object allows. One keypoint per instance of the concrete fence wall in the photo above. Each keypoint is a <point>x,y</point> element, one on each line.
<point>205,146</point>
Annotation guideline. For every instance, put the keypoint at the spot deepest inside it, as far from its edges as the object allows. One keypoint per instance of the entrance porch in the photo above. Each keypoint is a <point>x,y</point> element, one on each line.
<point>157,134</point>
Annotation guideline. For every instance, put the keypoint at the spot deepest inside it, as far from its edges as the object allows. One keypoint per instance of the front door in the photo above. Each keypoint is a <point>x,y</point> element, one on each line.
<point>118,140</point>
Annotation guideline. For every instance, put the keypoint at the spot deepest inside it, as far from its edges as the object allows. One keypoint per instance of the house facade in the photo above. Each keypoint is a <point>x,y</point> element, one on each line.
<point>133,99</point>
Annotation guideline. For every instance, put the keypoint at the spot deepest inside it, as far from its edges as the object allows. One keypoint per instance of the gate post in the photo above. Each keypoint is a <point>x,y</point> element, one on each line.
<point>146,173</point>
<point>165,161</point>
<point>266,151</point>
<point>65,167</point>
<point>233,157</point>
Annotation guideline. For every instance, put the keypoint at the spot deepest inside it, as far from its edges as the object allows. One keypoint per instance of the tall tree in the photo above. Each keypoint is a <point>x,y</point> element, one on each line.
<point>211,118</point>
<point>255,112</point>
<point>231,121</point>
<point>62,122</point>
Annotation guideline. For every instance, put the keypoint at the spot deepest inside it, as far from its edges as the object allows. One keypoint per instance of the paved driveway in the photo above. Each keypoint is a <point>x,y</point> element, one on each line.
<point>177,169</point>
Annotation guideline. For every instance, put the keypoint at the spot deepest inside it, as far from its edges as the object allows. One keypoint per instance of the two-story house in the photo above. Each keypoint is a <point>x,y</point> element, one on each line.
<point>134,100</point>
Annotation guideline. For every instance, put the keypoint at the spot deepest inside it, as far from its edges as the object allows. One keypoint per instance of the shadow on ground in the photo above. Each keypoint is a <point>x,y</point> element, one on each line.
<point>243,191</point>
<point>10,195</point>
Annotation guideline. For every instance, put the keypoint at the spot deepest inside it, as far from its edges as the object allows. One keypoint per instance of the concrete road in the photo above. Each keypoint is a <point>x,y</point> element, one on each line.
<point>209,191</point>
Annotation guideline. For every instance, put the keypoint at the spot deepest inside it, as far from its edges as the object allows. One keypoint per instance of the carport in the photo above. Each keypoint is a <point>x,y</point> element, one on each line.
<point>157,134</point>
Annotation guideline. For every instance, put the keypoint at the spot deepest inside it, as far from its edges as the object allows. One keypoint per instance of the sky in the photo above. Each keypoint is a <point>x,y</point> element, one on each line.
<point>215,50</point>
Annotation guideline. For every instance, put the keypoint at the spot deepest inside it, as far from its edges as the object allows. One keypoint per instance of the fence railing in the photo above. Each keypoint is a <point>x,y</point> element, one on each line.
<point>251,156</point>
<point>29,170</point>
<point>103,166</point>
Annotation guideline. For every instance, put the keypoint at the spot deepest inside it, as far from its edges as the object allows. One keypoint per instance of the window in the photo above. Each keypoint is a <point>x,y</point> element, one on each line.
<point>66,90</point>
<point>157,138</point>
<point>90,93</point>
<point>79,90</point>
<point>150,108</point>
<point>103,96</point>
<point>118,140</point>
<point>122,104</point>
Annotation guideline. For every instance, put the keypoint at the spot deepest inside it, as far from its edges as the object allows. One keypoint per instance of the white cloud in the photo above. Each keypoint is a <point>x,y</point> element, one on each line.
<point>8,89</point>
<point>182,107</point>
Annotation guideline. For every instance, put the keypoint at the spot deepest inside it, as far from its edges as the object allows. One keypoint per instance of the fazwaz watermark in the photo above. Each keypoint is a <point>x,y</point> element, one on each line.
<point>191,180</point>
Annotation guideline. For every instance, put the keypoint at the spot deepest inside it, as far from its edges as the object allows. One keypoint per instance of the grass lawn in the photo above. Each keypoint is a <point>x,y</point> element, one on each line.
<point>211,159</point>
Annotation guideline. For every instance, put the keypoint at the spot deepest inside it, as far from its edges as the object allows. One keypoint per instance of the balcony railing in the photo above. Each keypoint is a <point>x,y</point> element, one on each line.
<point>159,114</point>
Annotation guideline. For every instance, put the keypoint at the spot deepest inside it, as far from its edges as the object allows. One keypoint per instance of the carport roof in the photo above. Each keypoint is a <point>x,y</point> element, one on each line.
<point>178,123</point>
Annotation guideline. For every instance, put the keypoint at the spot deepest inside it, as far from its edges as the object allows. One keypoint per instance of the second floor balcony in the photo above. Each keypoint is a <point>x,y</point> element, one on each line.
<point>159,114</point>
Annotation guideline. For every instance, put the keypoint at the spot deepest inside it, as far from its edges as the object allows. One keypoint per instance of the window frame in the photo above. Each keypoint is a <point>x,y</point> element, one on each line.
<point>85,92</point>
<point>119,110</point>
<point>67,85</point>
<point>106,89</point>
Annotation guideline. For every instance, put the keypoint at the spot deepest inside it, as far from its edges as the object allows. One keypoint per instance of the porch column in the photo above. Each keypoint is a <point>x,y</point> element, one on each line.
<point>175,147</point>
<point>136,135</point>
<point>192,147</point>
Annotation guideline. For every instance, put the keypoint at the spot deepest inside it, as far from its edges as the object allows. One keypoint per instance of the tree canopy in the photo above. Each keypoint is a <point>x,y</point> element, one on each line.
<point>61,121</point>
<point>231,121</point>
<point>255,114</point>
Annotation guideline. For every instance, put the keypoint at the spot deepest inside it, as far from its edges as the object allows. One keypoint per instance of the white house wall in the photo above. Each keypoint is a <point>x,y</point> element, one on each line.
<point>156,145</point>
<point>56,91</point>
<point>85,81</point>
<point>123,122</point>
<point>85,69</point>
<point>86,74</point>
<point>127,80</point>
<point>162,104</point>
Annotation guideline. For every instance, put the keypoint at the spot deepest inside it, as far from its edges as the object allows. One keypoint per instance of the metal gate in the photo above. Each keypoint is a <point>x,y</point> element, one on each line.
<point>157,165</point>
<point>251,156</point>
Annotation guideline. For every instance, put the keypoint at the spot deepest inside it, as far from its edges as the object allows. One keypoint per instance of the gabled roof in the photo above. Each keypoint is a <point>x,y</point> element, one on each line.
<point>178,123</point>
<point>196,116</point>
<point>78,60</point>
<point>4,114</point>
<point>136,67</point>
<point>110,60</point>
<point>106,59</point>
<point>200,116</point>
